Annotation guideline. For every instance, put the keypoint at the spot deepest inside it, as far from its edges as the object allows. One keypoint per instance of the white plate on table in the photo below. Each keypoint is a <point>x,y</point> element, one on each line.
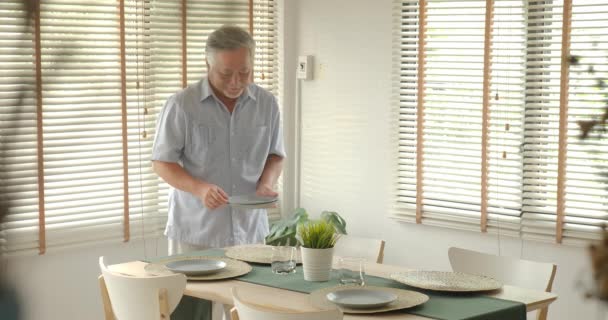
<point>361,298</point>
<point>196,267</point>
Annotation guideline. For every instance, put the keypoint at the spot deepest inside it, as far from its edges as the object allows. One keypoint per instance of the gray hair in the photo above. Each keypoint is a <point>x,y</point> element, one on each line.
<point>228,37</point>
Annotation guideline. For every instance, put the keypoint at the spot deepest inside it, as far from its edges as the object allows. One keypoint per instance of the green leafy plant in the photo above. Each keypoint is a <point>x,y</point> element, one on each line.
<point>283,232</point>
<point>318,234</point>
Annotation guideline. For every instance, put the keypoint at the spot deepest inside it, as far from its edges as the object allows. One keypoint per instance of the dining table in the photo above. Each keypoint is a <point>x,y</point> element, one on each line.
<point>282,299</point>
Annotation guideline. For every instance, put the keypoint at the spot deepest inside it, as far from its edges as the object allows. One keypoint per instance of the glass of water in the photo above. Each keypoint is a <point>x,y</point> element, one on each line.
<point>283,259</point>
<point>351,271</point>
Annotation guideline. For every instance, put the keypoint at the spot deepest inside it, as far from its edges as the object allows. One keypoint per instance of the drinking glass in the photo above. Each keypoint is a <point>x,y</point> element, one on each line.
<point>351,271</point>
<point>283,260</point>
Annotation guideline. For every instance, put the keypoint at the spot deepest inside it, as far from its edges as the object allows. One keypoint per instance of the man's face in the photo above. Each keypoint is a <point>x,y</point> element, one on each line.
<point>231,72</point>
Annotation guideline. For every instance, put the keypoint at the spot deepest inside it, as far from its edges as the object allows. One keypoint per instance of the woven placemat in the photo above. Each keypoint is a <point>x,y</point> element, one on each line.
<point>446,281</point>
<point>405,299</point>
<point>234,268</point>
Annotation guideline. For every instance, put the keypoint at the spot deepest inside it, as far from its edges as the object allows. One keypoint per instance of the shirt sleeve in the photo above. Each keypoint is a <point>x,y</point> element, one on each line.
<point>170,133</point>
<point>276,140</point>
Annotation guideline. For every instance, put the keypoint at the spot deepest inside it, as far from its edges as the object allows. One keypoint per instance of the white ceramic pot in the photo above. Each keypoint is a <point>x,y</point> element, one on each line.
<point>317,263</point>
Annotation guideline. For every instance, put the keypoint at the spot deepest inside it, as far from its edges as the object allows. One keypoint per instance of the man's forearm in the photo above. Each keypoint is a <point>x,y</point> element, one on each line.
<point>272,170</point>
<point>177,177</point>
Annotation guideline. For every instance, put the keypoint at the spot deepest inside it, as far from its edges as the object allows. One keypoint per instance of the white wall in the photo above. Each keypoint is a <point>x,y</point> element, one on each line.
<point>351,44</point>
<point>63,285</point>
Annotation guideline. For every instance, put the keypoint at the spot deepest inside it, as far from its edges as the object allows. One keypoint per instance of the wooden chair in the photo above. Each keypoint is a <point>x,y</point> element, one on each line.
<point>521,273</point>
<point>128,297</point>
<point>353,246</point>
<point>250,311</point>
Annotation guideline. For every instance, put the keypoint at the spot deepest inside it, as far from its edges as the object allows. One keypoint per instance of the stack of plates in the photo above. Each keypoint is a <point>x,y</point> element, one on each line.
<point>252,201</point>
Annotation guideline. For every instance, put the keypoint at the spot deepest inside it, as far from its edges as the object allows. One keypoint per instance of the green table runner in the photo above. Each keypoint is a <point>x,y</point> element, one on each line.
<point>443,306</point>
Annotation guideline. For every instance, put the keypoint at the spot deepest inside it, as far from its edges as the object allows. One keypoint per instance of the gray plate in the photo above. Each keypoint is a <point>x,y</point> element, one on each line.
<point>361,298</point>
<point>250,199</point>
<point>196,267</point>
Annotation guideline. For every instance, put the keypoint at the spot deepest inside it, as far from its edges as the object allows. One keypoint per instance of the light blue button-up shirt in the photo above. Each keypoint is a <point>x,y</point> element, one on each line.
<point>195,130</point>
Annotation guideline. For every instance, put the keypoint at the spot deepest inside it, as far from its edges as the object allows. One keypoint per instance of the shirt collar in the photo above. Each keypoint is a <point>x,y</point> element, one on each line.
<point>206,91</point>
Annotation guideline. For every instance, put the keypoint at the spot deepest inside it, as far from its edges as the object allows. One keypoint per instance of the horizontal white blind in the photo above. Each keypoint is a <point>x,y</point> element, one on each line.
<point>507,105</point>
<point>586,207</point>
<point>147,194</point>
<point>405,54</point>
<point>453,114</point>
<point>165,71</point>
<point>542,119</point>
<point>83,169</point>
<point>453,111</point>
<point>524,116</point>
<point>266,65</point>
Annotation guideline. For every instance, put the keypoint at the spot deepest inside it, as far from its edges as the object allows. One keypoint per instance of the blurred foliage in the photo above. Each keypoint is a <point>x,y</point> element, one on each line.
<point>283,232</point>
<point>598,251</point>
<point>601,84</point>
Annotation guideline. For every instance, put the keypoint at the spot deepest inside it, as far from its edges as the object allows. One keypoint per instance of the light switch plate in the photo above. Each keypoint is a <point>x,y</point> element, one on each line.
<point>304,68</point>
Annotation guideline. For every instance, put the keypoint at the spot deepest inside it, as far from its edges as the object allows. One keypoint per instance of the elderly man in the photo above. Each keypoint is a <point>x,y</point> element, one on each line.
<point>217,138</point>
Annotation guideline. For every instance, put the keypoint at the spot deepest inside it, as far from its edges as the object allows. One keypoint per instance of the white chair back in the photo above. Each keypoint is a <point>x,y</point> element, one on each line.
<point>139,297</point>
<point>250,311</point>
<point>352,246</point>
<point>521,273</point>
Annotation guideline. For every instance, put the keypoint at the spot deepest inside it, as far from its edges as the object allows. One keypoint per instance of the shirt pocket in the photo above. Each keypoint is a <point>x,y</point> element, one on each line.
<point>200,138</point>
<point>255,144</point>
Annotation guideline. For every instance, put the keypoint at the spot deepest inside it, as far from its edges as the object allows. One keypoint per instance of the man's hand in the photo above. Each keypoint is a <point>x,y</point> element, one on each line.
<point>212,196</point>
<point>264,190</point>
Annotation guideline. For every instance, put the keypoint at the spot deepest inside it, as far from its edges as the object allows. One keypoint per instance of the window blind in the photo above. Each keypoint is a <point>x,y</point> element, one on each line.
<point>82,87</point>
<point>441,114</point>
<point>584,201</point>
<point>479,117</point>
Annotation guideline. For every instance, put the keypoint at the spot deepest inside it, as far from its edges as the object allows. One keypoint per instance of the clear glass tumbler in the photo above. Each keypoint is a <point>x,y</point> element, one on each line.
<point>351,271</point>
<point>283,260</point>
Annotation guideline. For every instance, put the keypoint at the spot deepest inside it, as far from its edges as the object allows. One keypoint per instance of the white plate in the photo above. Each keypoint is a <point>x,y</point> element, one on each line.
<point>361,298</point>
<point>250,199</point>
<point>195,267</point>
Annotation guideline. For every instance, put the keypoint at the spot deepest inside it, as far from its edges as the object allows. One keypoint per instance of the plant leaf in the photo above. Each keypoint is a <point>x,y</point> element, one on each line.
<point>335,219</point>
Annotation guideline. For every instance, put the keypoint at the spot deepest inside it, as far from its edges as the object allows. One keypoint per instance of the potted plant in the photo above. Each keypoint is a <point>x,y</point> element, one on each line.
<point>283,232</point>
<point>317,240</point>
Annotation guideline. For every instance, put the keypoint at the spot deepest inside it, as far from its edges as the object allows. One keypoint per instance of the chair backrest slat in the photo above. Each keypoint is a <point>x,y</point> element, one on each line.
<point>353,246</point>
<point>522,273</point>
